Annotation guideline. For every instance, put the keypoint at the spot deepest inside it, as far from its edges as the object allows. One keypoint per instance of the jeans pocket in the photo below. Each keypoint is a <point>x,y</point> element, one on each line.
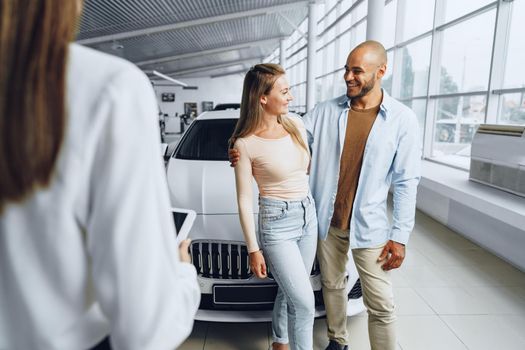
<point>269,214</point>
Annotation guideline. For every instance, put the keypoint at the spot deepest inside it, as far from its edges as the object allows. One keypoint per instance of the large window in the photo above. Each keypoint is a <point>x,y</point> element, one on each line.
<point>466,54</point>
<point>455,63</point>
<point>455,8</point>
<point>387,79</point>
<point>512,109</point>
<point>415,63</point>
<point>418,18</point>
<point>419,106</point>
<point>389,24</point>
<point>514,72</point>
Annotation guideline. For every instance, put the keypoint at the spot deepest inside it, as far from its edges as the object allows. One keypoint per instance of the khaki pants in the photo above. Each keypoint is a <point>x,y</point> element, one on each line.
<point>376,284</point>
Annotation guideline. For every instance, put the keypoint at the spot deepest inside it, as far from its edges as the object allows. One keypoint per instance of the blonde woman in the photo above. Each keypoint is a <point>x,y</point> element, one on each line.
<point>273,150</point>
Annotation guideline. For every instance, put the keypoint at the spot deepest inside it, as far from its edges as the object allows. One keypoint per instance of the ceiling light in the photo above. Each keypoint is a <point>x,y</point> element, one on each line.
<point>163,76</point>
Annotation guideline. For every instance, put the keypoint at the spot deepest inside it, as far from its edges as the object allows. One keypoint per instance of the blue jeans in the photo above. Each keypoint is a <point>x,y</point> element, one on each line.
<point>288,236</point>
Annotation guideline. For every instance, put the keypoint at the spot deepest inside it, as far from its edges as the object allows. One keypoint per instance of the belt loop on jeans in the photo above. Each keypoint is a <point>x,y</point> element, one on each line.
<point>305,202</point>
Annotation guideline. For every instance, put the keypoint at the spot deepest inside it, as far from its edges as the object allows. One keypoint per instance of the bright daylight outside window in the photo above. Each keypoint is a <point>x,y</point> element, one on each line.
<point>512,104</point>
<point>457,64</point>
<point>464,74</point>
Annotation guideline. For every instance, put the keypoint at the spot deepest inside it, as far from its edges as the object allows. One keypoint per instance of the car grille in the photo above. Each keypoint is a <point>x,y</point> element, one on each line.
<point>356,292</point>
<point>225,260</point>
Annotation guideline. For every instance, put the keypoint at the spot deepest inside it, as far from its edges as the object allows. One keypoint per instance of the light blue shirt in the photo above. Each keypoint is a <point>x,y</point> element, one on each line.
<point>392,156</point>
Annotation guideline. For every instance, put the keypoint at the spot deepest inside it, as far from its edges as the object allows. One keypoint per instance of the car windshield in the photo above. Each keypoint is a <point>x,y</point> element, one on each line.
<point>207,140</point>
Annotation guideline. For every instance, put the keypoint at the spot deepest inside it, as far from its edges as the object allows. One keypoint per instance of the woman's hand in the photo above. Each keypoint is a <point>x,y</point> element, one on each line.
<point>184,250</point>
<point>257,264</point>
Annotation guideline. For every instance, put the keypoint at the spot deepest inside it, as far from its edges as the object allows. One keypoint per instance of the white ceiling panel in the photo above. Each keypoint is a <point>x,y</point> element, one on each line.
<point>173,33</point>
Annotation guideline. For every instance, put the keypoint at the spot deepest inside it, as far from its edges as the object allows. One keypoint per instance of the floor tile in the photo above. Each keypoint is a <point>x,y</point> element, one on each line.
<point>427,276</point>
<point>500,300</point>
<point>358,331</point>
<point>426,333</point>
<point>414,258</point>
<point>463,257</point>
<point>399,279</point>
<point>237,336</point>
<point>453,301</point>
<point>519,291</point>
<point>489,332</point>
<point>507,274</point>
<point>320,336</point>
<point>473,276</point>
<point>408,302</point>
<point>197,337</point>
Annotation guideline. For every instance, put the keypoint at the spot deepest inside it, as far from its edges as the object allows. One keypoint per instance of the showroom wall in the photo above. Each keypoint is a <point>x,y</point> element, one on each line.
<point>227,89</point>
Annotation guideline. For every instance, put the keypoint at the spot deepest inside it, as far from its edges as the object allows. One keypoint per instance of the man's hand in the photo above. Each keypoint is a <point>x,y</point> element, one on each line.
<point>394,253</point>
<point>258,264</point>
<point>234,156</point>
<point>184,250</point>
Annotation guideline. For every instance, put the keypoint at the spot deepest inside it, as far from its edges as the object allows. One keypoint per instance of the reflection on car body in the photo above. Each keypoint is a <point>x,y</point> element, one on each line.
<point>200,178</point>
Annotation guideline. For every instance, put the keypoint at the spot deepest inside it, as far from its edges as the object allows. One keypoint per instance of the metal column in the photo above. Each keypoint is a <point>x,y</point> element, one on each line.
<point>374,20</point>
<point>311,56</point>
<point>282,56</point>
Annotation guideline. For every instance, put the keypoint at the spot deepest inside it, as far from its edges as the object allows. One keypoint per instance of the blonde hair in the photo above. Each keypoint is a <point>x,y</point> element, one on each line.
<point>259,81</point>
<point>34,42</point>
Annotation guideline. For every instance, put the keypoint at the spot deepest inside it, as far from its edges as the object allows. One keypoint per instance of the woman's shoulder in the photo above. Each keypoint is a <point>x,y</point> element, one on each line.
<point>298,121</point>
<point>91,71</point>
<point>242,142</point>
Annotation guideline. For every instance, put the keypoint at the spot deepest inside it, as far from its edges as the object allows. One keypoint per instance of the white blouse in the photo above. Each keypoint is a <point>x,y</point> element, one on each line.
<point>95,252</point>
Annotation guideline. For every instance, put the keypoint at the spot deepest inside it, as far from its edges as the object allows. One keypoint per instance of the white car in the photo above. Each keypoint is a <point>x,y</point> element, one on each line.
<point>200,178</point>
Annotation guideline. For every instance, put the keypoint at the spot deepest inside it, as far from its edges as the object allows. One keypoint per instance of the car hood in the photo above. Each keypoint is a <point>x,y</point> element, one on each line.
<point>208,187</point>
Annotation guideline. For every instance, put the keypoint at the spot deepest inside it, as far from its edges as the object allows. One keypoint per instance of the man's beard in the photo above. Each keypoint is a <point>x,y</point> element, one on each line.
<point>364,90</point>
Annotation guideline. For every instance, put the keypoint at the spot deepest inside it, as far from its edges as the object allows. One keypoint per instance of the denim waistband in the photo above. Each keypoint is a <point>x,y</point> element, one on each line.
<point>279,203</point>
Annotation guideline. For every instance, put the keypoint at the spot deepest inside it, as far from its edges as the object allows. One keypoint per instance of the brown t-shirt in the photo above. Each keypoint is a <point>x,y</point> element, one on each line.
<point>358,127</point>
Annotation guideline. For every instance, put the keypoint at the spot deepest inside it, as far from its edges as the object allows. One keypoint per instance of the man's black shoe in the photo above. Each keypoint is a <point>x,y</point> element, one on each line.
<point>336,346</point>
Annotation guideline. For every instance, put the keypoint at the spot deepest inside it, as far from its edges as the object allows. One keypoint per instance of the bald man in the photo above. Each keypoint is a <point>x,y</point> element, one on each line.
<point>362,143</point>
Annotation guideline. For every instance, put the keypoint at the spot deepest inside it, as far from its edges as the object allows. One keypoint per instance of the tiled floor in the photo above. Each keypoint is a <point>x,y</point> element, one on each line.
<point>450,294</point>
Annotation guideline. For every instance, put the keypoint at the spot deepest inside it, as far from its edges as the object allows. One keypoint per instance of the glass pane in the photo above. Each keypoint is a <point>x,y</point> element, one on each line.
<point>346,22</point>
<point>339,83</point>
<point>455,9</point>
<point>328,64</point>
<point>331,17</point>
<point>514,72</point>
<point>360,33</point>
<point>344,49</point>
<point>387,79</point>
<point>419,16</point>
<point>360,11</point>
<point>457,119</point>
<point>389,24</point>
<point>466,54</point>
<point>415,62</point>
<point>419,107</point>
<point>345,5</point>
<point>512,109</point>
<point>330,4</point>
<point>326,92</point>
<point>299,98</point>
<point>329,35</point>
